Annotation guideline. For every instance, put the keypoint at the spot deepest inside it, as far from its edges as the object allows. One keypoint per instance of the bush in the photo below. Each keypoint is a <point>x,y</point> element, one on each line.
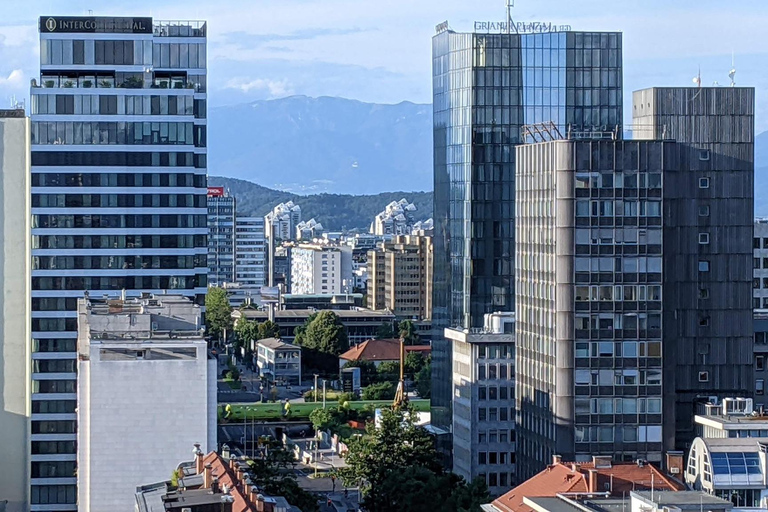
<point>233,374</point>
<point>380,391</point>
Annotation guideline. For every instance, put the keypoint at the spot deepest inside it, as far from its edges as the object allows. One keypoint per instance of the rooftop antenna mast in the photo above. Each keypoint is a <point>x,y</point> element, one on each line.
<point>697,78</point>
<point>732,73</point>
<point>510,24</point>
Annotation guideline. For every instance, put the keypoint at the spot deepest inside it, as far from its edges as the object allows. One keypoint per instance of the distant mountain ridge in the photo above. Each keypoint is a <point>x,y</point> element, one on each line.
<point>312,145</point>
<point>334,211</point>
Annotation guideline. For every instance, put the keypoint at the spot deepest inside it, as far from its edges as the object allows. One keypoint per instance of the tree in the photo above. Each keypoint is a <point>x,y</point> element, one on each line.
<point>423,380</point>
<point>379,391</point>
<point>218,312</point>
<point>268,329</point>
<point>246,332</point>
<point>323,338</point>
<point>368,373</point>
<point>321,419</point>
<point>414,362</point>
<point>389,371</point>
<point>396,446</point>
<point>417,489</point>
<point>385,331</point>
<point>408,332</point>
<point>273,474</point>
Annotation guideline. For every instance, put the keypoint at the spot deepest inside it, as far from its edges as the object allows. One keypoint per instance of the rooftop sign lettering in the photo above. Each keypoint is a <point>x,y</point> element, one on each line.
<point>92,24</point>
<point>534,27</point>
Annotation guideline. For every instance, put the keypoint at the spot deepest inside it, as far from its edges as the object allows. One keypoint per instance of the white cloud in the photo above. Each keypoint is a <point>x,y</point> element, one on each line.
<point>15,79</point>
<point>274,87</point>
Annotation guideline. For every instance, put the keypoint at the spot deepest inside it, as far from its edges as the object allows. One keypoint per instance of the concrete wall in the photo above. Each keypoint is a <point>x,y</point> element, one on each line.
<point>138,419</point>
<point>14,308</point>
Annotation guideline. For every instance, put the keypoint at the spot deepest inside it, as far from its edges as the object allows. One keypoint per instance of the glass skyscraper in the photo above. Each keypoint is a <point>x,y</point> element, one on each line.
<point>486,87</point>
<point>118,199</point>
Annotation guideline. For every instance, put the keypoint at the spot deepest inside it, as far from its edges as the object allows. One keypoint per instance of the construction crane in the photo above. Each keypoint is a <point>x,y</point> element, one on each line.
<point>401,395</point>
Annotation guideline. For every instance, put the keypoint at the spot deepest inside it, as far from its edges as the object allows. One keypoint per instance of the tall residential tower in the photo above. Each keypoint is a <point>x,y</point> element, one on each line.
<point>118,198</point>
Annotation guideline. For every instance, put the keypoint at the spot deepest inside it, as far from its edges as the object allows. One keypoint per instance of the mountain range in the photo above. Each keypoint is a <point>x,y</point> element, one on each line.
<point>307,146</point>
<point>313,145</point>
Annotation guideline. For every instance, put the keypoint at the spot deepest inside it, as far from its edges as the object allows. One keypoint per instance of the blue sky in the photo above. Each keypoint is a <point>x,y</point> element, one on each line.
<point>380,50</point>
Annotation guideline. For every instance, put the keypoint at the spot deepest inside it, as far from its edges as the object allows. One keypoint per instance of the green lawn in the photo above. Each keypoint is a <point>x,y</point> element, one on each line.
<point>274,411</point>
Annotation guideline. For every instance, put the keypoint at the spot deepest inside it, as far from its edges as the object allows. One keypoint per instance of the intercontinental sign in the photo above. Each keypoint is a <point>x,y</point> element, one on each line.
<point>91,24</point>
<point>534,27</point>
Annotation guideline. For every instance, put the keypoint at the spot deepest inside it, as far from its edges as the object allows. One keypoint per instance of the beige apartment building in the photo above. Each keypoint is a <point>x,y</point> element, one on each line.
<point>400,277</point>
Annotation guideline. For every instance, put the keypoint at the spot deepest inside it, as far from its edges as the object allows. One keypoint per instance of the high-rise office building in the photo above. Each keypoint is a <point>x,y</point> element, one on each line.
<point>633,278</point>
<point>119,184</point>
<point>221,237</point>
<point>14,309</point>
<point>485,88</point>
<point>709,241</point>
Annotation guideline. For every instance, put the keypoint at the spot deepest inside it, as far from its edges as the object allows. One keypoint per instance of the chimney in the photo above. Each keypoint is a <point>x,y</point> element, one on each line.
<point>232,463</point>
<point>198,459</point>
<point>215,485</point>
<point>675,463</point>
<point>557,459</point>
<point>207,476</point>
<point>574,467</point>
<point>592,483</point>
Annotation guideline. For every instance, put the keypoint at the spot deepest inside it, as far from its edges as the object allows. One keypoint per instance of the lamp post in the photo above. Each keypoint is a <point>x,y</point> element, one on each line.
<point>314,389</point>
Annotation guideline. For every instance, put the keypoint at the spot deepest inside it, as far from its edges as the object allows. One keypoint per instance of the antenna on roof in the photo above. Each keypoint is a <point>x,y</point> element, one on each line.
<point>697,78</point>
<point>732,72</point>
<point>510,24</point>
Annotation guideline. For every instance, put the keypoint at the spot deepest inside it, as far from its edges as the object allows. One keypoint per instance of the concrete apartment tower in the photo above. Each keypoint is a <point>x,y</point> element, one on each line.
<point>708,243</point>
<point>486,86</point>
<point>14,309</point>
<point>222,263</point>
<point>119,184</point>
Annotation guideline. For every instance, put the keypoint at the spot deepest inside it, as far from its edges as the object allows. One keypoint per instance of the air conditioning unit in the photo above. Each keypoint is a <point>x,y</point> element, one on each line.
<point>674,471</point>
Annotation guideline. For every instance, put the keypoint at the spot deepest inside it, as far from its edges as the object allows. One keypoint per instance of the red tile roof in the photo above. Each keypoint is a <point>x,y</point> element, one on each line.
<point>381,350</point>
<point>569,478</point>
<point>221,470</point>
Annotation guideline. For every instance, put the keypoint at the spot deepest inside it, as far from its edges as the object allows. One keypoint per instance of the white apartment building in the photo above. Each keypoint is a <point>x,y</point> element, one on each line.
<point>308,229</point>
<point>14,311</point>
<point>251,252</point>
<point>146,388</point>
<point>396,219</point>
<point>321,269</point>
<point>283,220</point>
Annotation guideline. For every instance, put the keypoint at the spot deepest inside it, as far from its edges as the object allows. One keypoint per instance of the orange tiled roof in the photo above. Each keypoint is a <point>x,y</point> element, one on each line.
<point>381,350</point>
<point>220,469</point>
<point>569,478</point>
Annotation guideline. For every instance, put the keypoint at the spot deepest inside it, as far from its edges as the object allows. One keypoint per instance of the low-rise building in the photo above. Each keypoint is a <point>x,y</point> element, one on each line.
<point>380,351</point>
<point>209,483</point>
<point>640,501</point>
<point>279,361</point>
<point>362,324</point>
<point>731,417</point>
<point>600,478</point>
<point>733,469</point>
<point>145,384</point>
<point>484,440</point>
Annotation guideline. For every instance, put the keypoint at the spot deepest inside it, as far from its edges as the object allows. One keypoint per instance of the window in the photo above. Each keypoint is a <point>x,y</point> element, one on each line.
<point>703,293</point>
<point>704,155</point>
<point>482,414</point>
<point>704,211</point>
<point>481,458</point>
<point>760,363</point>
<point>759,386</point>
<point>703,266</point>
<point>704,321</point>
<point>703,238</point>
<point>703,376</point>
<point>703,182</point>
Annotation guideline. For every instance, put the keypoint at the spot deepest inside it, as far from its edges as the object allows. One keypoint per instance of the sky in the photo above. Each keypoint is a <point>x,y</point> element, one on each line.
<point>380,51</point>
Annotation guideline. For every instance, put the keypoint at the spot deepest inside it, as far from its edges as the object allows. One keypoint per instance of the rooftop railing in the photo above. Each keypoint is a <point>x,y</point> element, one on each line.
<point>168,28</point>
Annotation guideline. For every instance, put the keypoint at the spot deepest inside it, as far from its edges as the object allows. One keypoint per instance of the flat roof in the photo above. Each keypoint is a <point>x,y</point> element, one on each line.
<point>276,344</point>
<point>303,313</point>
<point>550,504</point>
<point>682,498</point>
<point>732,419</point>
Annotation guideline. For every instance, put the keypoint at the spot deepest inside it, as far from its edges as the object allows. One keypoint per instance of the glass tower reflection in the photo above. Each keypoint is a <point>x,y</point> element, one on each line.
<point>485,87</point>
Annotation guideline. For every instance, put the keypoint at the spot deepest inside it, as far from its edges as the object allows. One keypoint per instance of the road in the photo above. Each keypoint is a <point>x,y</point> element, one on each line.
<point>325,487</point>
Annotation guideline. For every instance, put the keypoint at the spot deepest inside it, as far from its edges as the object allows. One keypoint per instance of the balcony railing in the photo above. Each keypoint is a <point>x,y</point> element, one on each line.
<point>167,28</point>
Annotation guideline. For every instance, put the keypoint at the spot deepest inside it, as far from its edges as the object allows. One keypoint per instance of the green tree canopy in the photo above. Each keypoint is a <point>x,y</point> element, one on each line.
<point>408,332</point>
<point>385,331</point>
<point>272,474</point>
<point>397,467</point>
<point>323,338</point>
<point>368,373</point>
<point>246,331</point>
<point>423,380</point>
<point>268,329</point>
<point>379,391</point>
<point>389,371</point>
<point>321,419</point>
<point>218,312</point>
<point>414,362</point>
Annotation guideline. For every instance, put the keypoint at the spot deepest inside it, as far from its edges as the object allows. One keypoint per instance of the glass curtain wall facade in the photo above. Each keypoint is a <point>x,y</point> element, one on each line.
<point>119,188</point>
<point>485,88</point>
<point>221,239</point>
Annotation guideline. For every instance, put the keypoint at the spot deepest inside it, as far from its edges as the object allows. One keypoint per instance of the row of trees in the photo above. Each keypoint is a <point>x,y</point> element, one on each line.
<point>397,467</point>
<point>404,329</point>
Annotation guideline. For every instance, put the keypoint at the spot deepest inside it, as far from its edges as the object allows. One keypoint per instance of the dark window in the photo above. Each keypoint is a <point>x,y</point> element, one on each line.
<point>78,52</point>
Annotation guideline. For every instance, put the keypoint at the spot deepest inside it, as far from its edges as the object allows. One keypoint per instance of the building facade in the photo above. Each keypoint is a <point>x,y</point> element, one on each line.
<point>321,269</point>
<point>221,237</point>
<point>709,227</point>
<point>251,251</point>
<point>396,219</point>
<point>281,222</point>
<point>485,88</point>
<point>401,277</point>
<point>14,311</point>
<point>279,361</point>
<point>136,357</point>
<point>760,265</point>
<point>118,163</point>
<point>484,437</point>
